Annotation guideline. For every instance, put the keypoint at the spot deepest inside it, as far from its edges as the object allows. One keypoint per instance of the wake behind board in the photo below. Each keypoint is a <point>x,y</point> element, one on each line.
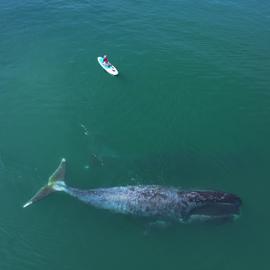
<point>108,67</point>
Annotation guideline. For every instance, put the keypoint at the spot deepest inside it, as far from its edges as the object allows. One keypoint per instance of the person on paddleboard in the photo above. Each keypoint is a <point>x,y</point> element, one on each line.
<point>105,60</point>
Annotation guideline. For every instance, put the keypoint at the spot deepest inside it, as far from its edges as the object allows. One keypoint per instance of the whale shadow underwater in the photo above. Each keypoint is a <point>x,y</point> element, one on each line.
<point>154,202</point>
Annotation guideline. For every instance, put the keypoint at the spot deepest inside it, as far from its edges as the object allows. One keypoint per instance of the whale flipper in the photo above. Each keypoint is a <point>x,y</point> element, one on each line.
<point>55,183</point>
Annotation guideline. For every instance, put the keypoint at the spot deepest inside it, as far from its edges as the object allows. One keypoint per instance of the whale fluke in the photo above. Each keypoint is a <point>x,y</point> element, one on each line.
<point>55,183</point>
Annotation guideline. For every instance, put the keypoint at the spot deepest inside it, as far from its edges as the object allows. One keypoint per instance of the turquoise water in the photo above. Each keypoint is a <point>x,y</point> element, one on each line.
<point>190,108</point>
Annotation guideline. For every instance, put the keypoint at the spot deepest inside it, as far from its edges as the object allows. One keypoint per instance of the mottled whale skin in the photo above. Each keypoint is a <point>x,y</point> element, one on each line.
<point>150,201</point>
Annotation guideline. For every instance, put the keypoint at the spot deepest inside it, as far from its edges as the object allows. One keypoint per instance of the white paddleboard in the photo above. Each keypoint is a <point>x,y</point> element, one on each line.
<point>108,67</point>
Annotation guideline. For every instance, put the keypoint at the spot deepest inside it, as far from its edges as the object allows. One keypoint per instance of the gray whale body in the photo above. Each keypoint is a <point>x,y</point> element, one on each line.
<point>150,201</point>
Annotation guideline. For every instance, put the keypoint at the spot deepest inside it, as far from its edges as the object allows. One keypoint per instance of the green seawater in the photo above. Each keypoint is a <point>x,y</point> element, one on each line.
<point>190,108</point>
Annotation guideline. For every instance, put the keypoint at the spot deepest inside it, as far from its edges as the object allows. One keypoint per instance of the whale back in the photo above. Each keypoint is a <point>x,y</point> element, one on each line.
<point>158,202</point>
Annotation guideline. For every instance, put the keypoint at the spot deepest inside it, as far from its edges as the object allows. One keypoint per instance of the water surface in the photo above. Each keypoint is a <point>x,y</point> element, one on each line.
<point>190,108</point>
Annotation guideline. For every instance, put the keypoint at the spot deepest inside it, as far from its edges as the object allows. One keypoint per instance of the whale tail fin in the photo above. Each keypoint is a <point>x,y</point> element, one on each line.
<point>55,183</point>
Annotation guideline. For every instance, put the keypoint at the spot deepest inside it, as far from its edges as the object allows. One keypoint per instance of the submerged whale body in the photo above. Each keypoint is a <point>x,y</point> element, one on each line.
<point>149,201</point>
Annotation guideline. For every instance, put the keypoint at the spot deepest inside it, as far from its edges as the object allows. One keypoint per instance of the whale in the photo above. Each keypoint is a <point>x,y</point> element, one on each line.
<point>153,202</point>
